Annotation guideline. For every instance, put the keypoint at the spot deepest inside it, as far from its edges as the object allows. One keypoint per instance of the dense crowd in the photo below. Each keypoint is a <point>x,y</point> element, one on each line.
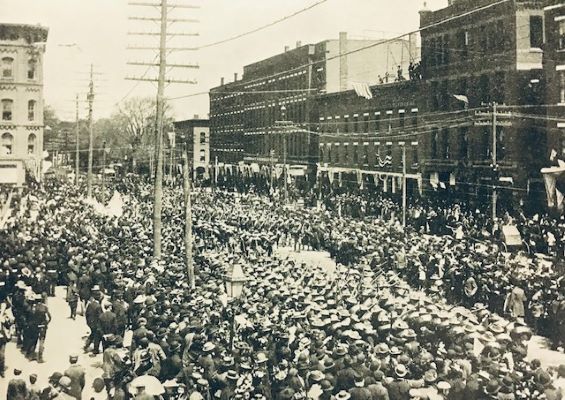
<point>359,332</point>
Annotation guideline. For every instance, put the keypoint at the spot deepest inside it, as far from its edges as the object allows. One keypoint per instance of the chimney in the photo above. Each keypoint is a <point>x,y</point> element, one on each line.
<point>343,64</point>
<point>235,76</point>
<point>286,48</point>
<point>196,116</point>
<point>425,13</point>
<point>222,81</point>
<point>298,44</point>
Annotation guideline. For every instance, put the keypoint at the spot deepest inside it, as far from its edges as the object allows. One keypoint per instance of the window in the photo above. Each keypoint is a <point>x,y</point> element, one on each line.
<point>31,143</point>
<point>389,151</point>
<point>500,143</point>
<point>445,144</point>
<point>7,68</point>
<point>31,110</point>
<point>435,138</point>
<point>434,101</point>
<point>461,39</point>
<point>7,142</point>
<point>562,34</point>
<point>202,137</point>
<point>365,124</point>
<point>377,154</point>
<point>500,35</point>
<point>486,144</point>
<point>536,31</point>
<point>31,69</point>
<point>356,124</point>
<point>562,87</point>
<point>401,120</point>
<point>345,154</point>
<point>415,159</point>
<point>7,109</point>
<point>414,119</point>
<point>463,143</point>
<point>365,155</point>
<point>355,155</point>
<point>346,125</point>
<point>202,155</point>
<point>446,49</point>
<point>377,122</point>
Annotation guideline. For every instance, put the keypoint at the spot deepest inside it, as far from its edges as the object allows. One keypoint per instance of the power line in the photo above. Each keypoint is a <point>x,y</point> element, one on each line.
<point>278,21</point>
<point>363,48</point>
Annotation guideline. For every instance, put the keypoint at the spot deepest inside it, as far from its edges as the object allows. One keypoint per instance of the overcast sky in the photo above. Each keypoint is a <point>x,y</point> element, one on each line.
<point>99,30</point>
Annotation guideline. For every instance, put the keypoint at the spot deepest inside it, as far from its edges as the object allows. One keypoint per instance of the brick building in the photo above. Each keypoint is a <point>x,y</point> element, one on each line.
<point>491,55</point>
<point>195,133</point>
<point>21,101</point>
<point>554,64</point>
<point>244,113</point>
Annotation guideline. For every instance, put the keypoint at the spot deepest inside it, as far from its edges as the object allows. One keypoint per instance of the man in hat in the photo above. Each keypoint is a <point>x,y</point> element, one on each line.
<point>228,392</point>
<point>108,324</point>
<point>77,375</point>
<point>65,389</point>
<point>359,391</point>
<point>92,315</point>
<point>112,362</point>
<point>38,321</point>
<point>17,388</point>
<point>72,298</point>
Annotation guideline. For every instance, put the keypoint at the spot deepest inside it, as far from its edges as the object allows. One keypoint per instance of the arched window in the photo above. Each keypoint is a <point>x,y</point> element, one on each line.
<point>31,110</point>
<point>31,143</point>
<point>7,105</point>
<point>7,142</point>
<point>31,68</point>
<point>7,67</point>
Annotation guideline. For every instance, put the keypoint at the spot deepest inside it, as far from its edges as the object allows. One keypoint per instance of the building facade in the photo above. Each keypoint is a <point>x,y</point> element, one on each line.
<point>554,64</point>
<point>262,120</point>
<point>195,134</point>
<point>21,101</point>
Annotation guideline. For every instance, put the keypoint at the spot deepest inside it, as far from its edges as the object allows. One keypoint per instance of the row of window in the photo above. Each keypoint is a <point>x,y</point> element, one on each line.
<point>442,147</point>
<point>482,39</point>
<point>8,68</point>
<point>7,141</point>
<point>361,155</point>
<point>370,122</point>
<point>8,106</point>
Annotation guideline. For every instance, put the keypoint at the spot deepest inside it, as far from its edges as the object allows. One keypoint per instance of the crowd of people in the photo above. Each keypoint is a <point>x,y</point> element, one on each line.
<point>370,329</point>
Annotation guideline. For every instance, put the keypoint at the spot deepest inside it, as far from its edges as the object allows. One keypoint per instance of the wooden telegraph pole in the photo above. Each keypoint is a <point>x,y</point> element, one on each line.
<point>90,98</point>
<point>163,50</point>
<point>77,155</point>
<point>187,219</point>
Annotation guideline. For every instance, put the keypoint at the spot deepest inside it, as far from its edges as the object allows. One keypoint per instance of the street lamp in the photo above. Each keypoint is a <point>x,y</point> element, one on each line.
<point>235,281</point>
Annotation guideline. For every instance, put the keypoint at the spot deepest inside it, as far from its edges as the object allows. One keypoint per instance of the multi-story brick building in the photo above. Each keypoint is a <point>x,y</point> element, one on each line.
<point>243,114</point>
<point>554,63</point>
<point>21,101</point>
<point>474,54</point>
<point>195,134</point>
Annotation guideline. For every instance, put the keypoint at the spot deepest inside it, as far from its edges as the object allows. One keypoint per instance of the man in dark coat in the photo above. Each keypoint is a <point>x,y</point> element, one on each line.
<point>92,314</point>
<point>17,388</point>
<point>108,324</point>
<point>77,375</point>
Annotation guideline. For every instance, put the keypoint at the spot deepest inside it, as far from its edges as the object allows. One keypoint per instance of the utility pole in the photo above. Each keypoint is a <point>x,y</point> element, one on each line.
<point>161,80</point>
<point>77,155</point>
<point>103,172</point>
<point>187,220</point>
<point>404,187</point>
<point>90,98</point>
<point>285,172</point>
<point>494,160</point>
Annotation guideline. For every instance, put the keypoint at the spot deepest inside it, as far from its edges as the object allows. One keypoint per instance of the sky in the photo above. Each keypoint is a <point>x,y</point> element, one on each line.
<point>85,32</point>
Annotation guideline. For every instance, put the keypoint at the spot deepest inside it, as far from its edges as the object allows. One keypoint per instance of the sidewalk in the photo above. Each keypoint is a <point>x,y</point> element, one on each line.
<point>64,337</point>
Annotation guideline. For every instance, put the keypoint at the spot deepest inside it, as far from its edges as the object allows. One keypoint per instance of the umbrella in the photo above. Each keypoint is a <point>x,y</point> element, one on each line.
<point>152,385</point>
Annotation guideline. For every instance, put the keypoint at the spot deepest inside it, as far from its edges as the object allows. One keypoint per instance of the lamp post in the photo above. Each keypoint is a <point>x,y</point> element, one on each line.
<point>235,281</point>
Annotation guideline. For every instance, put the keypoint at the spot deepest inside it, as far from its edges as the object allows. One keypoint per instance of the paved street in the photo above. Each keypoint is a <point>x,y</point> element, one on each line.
<point>64,337</point>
